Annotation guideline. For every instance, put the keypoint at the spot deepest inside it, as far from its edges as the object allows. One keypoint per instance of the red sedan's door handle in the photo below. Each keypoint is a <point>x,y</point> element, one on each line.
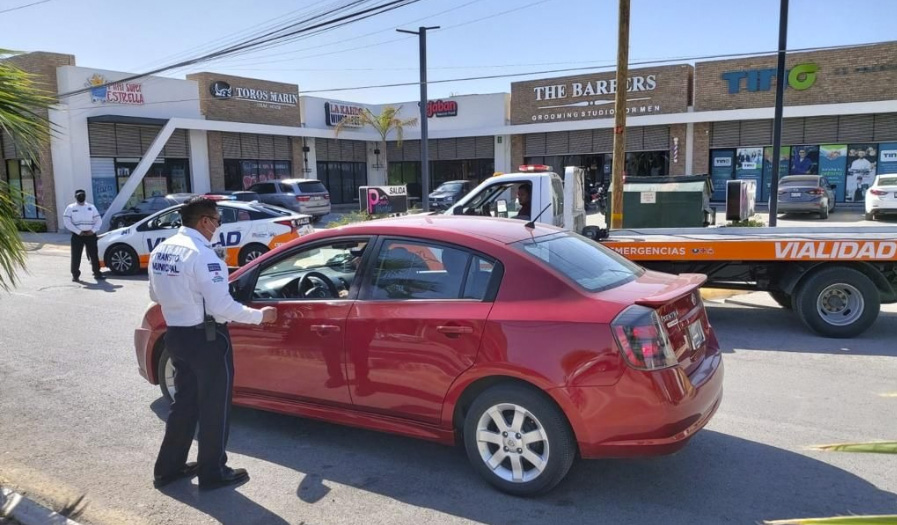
<point>453,330</point>
<point>324,329</point>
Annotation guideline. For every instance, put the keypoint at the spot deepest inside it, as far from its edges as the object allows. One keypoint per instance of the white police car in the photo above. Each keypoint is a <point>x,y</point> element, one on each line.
<point>248,229</point>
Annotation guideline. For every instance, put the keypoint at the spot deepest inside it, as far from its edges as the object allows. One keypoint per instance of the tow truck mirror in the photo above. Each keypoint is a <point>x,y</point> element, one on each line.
<point>595,233</point>
<point>458,210</point>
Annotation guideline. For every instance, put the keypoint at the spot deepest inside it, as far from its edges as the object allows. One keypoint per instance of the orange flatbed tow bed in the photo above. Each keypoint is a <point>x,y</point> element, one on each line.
<point>835,278</point>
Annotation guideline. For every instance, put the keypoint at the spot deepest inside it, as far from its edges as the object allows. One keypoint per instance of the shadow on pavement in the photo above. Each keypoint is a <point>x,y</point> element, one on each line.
<point>740,324</point>
<point>717,478</point>
<point>225,505</point>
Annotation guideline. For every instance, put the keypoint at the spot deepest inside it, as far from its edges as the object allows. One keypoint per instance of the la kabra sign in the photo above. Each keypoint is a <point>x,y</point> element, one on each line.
<point>598,87</point>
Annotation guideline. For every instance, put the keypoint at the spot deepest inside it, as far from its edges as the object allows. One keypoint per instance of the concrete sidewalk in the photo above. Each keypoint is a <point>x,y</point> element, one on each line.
<point>37,241</point>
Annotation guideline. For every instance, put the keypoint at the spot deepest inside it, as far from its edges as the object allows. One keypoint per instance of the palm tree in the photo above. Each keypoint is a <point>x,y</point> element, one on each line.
<point>23,119</point>
<point>384,123</point>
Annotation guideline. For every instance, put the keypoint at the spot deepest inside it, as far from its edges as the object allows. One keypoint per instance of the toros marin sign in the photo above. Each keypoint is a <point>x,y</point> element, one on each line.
<point>650,91</point>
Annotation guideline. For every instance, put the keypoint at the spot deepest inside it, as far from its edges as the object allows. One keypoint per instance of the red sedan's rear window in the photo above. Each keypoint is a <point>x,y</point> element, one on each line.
<point>581,260</point>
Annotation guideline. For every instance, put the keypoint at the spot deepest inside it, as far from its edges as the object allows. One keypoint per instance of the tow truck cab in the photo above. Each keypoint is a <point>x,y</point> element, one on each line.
<point>554,200</point>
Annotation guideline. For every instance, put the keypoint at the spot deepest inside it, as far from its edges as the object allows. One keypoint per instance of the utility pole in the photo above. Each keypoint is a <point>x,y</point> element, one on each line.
<point>777,120</point>
<point>619,159</point>
<point>424,136</point>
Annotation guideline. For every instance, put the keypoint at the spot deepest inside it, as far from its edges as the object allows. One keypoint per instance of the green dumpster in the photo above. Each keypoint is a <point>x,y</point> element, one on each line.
<point>668,202</point>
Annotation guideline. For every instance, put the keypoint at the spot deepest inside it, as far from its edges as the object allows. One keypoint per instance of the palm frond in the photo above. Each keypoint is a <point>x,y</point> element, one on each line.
<point>22,107</point>
<point>12,250</point>
<point>880,447</point>
<point>839,520</point>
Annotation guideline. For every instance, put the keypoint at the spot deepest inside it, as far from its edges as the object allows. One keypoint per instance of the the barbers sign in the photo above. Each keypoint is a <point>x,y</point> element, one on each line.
<point>223,90</point>
<point>563,101</point>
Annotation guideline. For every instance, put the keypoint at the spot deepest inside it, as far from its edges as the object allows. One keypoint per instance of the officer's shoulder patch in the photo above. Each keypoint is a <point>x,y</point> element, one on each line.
<point>214,267</point>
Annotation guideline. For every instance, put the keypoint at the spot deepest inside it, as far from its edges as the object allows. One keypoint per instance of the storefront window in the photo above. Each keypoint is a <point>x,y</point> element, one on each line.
<point>109,176</point>
<point>342,180</point>
<point>241,174</point>
<point>408,173</point>
<point>647,163</point>
<point>23,188</point>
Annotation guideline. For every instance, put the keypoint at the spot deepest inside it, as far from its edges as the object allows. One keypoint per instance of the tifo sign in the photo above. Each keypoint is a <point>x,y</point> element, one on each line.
<point>441,108</point>
<point>349,115</point>
<point>380,200</point>
<point>800,77</point>
<point>223,90</point>
<point>101,92</point>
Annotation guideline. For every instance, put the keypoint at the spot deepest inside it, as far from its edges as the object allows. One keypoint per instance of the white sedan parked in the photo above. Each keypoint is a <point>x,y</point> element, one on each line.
<point>881,197</point>
<point>247,231</point>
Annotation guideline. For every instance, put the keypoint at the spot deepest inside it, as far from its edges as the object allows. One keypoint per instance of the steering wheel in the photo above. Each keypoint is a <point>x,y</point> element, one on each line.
<point>310,290</point>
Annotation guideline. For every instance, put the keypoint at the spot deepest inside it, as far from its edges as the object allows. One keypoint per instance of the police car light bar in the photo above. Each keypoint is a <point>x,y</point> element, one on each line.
<point>532,168</point>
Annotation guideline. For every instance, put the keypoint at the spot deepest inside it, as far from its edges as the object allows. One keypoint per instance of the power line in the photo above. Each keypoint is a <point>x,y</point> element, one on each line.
<point>593,68</point>
<point>255,60</point>
<point>24,6</point>
<point>409,22</point>
<point>268,37</point>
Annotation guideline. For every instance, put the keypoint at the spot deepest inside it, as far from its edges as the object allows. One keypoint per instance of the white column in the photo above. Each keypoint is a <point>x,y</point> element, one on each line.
<point>689,148</point>
<point>312,156</point>
<point>503,154</point>
<point>200,177</point>
<point>61,153</point>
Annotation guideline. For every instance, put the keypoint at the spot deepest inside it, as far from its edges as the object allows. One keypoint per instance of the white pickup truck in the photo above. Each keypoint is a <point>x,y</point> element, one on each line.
<point>835,279</point>
<point>556,201</point>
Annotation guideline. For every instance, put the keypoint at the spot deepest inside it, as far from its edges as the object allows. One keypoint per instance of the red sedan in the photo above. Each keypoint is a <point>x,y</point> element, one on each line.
<point>530,345</point>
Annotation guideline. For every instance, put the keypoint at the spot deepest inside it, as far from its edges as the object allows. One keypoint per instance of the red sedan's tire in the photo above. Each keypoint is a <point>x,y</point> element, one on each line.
<point>518,440</point>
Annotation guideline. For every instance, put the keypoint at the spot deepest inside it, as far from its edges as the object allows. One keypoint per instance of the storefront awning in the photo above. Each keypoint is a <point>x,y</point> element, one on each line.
<point>123,119</point>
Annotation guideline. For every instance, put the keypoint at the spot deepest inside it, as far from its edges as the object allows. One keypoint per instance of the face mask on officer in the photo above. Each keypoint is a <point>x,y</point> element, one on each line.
<point>80,196</point>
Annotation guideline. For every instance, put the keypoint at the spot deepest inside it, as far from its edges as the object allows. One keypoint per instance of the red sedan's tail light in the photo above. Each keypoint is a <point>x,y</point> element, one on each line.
<point>643,339</point>
<point>878,192</point>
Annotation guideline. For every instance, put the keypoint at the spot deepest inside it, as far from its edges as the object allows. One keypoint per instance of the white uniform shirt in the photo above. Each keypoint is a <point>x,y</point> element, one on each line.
<point>81,218</point>
<point>184,271</point>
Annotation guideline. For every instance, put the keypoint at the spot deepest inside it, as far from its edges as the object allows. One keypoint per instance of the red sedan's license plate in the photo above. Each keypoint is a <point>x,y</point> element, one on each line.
<point>696,333</point>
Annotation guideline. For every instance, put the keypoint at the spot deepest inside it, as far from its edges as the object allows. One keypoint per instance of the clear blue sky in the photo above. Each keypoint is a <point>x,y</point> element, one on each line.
<point>535,35</point>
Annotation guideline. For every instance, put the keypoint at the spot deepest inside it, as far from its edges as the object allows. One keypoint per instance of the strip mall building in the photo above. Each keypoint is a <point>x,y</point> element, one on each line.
<point>218,132</point>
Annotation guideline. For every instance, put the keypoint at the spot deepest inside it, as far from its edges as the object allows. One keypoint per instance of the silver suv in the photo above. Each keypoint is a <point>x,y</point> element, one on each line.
<point>306,196</point>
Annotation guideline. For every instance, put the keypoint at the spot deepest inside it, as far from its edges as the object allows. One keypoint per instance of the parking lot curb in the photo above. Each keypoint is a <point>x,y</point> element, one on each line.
<point>27,512</point>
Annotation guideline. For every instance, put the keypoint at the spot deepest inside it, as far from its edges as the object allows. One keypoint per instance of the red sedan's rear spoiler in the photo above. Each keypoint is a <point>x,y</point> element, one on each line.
<point>685,283</point>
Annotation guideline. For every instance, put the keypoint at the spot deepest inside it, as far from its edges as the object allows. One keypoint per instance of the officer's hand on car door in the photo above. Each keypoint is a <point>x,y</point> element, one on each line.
<point>269,314</point>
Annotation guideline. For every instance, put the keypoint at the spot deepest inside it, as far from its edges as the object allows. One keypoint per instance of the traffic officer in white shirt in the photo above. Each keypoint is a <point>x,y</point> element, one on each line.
<point>189,281</point>
<point>84,221</point>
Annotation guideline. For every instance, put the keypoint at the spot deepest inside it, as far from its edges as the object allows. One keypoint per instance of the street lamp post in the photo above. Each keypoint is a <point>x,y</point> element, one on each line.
<point>424,139</point>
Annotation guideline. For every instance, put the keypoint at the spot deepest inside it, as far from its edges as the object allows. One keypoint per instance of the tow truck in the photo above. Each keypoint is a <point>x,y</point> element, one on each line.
<point>835,279</point>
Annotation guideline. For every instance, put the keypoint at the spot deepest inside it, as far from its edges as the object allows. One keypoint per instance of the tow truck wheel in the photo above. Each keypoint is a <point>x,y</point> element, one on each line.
<point>837,302</point>
<point>781,298</point>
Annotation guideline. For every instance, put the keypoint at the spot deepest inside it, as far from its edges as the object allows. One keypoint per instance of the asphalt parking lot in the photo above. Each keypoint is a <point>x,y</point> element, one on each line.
<point>76,420</point>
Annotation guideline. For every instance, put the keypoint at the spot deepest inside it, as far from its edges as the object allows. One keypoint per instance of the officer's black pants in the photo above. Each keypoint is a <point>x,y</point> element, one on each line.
<point>78,245</point>
<point>204,380</point>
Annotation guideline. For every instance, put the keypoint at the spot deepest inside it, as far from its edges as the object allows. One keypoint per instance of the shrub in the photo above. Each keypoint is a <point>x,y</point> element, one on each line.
<point>24,225</point>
